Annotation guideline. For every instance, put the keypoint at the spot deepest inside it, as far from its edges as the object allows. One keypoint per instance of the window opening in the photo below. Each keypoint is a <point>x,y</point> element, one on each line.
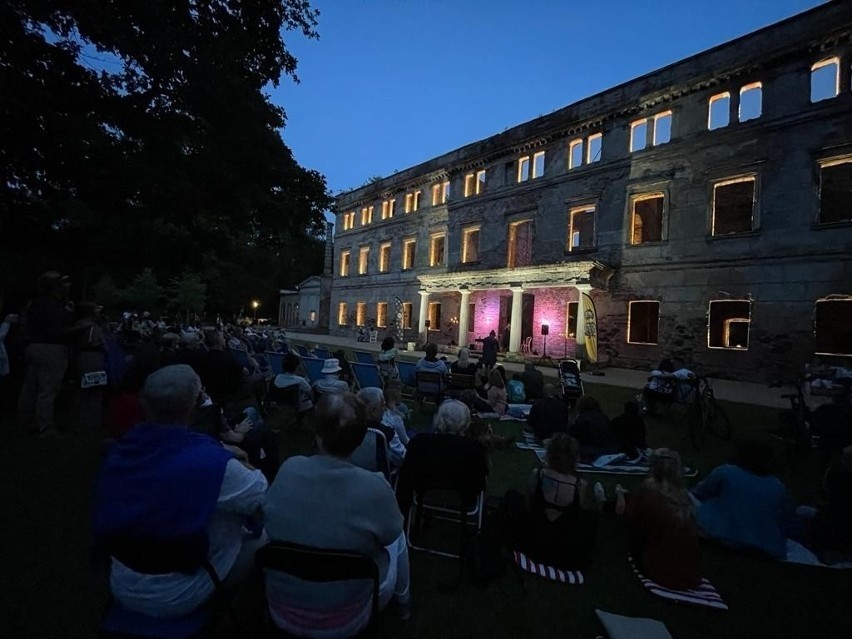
<point>733,206</point>
<point>728,324</point>
<point>643,319</point>
<point>647,222</point>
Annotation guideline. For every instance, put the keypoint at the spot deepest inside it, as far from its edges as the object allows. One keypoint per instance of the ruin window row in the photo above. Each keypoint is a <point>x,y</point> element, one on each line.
<point>382,318</point>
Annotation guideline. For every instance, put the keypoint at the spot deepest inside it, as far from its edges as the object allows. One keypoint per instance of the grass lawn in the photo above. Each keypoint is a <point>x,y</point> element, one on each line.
<point>50,589</point>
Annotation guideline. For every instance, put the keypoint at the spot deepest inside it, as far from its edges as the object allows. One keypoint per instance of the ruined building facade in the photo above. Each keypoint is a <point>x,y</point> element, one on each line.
<point>705,208</point>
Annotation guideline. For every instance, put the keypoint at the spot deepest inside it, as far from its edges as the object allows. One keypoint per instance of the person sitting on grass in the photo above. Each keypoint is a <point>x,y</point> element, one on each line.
<point>664,533</point>
<point>592,430</point>
<point>629,429</point>
<point>553,525</point>
<point>533,381</point>
<point>548,415</point>
<point>743,504</point>
<point>495,392</point>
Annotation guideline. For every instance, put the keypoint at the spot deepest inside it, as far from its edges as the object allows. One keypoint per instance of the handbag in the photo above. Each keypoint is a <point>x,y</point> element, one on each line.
<point>93,379</point>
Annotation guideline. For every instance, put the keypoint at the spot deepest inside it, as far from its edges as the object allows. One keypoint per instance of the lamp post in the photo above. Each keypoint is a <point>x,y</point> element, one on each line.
<point>254,306</point>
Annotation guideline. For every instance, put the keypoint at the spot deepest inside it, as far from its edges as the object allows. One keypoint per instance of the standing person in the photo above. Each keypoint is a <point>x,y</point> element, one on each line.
<point>507,332</point>
<point>489,350</point>
<point>48,333</point>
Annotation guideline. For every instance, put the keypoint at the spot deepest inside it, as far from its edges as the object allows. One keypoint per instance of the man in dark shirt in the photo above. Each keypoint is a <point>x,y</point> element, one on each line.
<point>220,372</point>
<point>533,381</point>
<point>48,333</point>
<point>549,415</point>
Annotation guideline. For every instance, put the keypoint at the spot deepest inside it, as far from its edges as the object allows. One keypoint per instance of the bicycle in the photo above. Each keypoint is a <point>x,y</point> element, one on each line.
<point>707,415</point>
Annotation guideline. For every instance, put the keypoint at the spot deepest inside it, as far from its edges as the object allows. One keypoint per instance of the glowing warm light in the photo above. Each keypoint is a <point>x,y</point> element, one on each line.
<point>255,304</point>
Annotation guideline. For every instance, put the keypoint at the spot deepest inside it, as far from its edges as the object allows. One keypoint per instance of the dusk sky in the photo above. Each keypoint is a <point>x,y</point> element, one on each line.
<point>392,83</point>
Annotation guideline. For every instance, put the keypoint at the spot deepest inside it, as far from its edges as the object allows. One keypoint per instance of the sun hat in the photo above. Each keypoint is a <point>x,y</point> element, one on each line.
<point>331,366</point>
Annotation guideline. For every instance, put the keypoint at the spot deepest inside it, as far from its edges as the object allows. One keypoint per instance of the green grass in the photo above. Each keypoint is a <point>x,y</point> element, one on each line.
<point>50,589</point>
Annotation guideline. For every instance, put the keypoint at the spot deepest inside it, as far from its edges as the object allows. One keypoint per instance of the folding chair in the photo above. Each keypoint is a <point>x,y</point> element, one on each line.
<point>460,381</point>
<point>430,386</point>
<point>367,375</point>
<point>240,356</point>
<point>303,351</point>
<point>364,358</point>
<point>372,454</point>
<point>313,368</point>
<point>322,353</point>
<point>322,566</point>
<point>276,362</point>
<point>444,475</point>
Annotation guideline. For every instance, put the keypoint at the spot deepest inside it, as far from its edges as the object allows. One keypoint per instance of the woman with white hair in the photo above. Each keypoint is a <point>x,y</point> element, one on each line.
<point>452,418</point>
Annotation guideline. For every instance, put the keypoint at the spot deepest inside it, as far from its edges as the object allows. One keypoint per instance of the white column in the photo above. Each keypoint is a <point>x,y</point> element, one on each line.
<point>581,321</point>
<point>517,313</point>
<point>424,310</point>
<point>464,317</point>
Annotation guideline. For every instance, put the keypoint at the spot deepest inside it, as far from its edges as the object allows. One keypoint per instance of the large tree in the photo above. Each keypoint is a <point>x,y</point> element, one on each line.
<point>138,133</point>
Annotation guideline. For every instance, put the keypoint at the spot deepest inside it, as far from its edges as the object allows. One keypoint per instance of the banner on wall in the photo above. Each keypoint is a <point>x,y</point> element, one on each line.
<point>590,328</point>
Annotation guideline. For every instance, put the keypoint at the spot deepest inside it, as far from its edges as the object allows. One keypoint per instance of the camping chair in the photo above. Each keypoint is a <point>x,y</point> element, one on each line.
<point>460,382</point>
<point>276,362</point>
<point>303,351</point>
<point>443,475</point>
<point>372,454</point>
<point>367,375</point>
<point>313,368</point>
<point>430,386</point>
<point>374,336</point>
<point>322,353</point>
<point>364,358</point>
<point>241,357</point>
<point>322,566</point>
<point>526,346</point>
<point>283,404</point>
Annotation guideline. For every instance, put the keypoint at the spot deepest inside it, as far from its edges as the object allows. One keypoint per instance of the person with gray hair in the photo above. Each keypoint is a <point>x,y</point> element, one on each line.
<point>452,418</point>
<point>171,504</point>
<point>375,409</point>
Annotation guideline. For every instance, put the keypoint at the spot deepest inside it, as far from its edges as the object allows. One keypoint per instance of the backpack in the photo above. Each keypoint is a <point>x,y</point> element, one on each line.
<point>515,391</point>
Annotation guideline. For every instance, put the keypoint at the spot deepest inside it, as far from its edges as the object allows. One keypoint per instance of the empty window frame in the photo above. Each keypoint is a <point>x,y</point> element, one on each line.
<point>440,193</point>
<point>835,191</point>
<point>342,314</point>
<point>594,146</point>
<point>662,128</point>
<point>470,245</point>
<point>728,324</point>
<point>407,314</point>
<point>409,250</point>
<point>643,320</point>
<point>646,219</point>
<point>366,215</point>
<point>581,228</point>
<point>434,316</point>
<point>524,168</point>
<point>751,102</point>
<point>638,135</point>
<point>388,207</point>
<point>520,244</point>
<point>437,249</point>
<point>349,220</point>
<point>345,258</point>
<point>384,257</point>
<point>361,314</point>
<point>382,314</point>
<point>538,164</point>
<point>363,260</point>
<point>571,310</point>
<point>575,153</point>
<point>825,79</point>
<point>412,201</point>
<point>719,111</point>
<point>733,206</point>
<point>474,183</point>
<point>833,327</point>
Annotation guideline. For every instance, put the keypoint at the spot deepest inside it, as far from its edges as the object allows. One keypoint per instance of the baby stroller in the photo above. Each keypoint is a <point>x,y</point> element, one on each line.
<point>570,381</point>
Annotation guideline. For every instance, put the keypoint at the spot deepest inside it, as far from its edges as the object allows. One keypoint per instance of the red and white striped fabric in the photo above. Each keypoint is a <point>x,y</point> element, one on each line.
<point>548,572</point>
<point>705,595</point>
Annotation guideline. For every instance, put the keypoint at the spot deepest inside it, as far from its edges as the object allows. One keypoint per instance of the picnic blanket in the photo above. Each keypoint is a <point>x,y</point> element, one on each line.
<point>548,572</point>
<point>705,595</point>
<point>621,627</point>
<point>798,554</point>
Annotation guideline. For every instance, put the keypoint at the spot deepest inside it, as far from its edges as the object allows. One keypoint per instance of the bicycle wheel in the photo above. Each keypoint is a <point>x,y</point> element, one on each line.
<point>716,420</point>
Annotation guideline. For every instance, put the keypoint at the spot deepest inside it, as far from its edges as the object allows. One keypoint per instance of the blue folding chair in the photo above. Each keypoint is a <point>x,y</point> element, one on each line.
<point>313,368</point>
<point>276,362</point>
<point>367,375</point>
<point>322,353</point>
<point>364,358</point>
<point>303,351</point>
<point>407,373</point>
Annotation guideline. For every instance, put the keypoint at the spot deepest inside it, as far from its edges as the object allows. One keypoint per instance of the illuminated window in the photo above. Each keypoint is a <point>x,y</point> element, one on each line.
<point>470,245</point>
<point>388,207</point>
<point>313,316</point>
<point>342,314</point>
<point>719,111</point>
<point>575,153</point>
<point>366,215</point>
<point>538,164</point>
<point>571,310</point>
<point>409,248</point>
<point>440,193</point>
<point>474,183</point>
<point>345,258</point>
<point>434,316</point>
<point>733,206</point>
<point>349,220</point>
<point>437,252</point>
<point>524,169</point>
<point>520,244</point>
<point>825,79</point>
<point>728,324</point>
<point>384,257</point>
<point>833,326</point>
<point>407,314</point>
<point>638,134</point>
<point>412,201</point>
<point>647,218</point>
<point>382,314</point>
<point>835,191</point>
<point>363,260</point>
<point>361,314</point>
<point>594,146</point>
<point>643,319</point>
<point>751,102</point>
<point>581,228</point>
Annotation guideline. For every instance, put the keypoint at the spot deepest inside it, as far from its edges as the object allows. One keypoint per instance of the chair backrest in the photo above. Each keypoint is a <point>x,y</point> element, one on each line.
<point>302,350</point>
<point>240,356</point>
<point>364,358</point>
<point>322,353</point>
<point>460,381</point>
<point>288,396</point>
<point>372,454</point>
<point>276,362</point>
<point>527,345</point>
<point>313,368</point>
<point>374,336</point>
<point>407,373</point>
<point>321,566</point>
<point>367,375</point>
<point>431,384</point>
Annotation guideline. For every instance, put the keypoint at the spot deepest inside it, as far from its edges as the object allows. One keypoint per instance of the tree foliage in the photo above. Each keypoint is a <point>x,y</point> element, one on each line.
<point>137,133</point>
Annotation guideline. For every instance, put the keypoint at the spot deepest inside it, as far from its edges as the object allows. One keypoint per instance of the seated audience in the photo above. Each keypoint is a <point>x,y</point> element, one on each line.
<point>743,504</point>
<point>548,415</point>
<point>495,392</point>
<point>396,411</point>
<point>330,382</point>
<point>324,501</point>
<point>454,418</point>
<point>592,430</point>
<point>463,366</point>
<point>289,378</point>
<point>170,501</point>
<point>533,381</point>
<point>629,429</point>
<point>220,372</point>
<point>515,391</point>
<point>430,362</point>
<point>664,536</point>
<point>387,360</point>
<point>374,412</point>
<point>555,527</point>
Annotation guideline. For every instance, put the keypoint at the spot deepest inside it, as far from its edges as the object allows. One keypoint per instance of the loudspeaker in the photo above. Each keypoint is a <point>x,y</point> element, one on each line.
<point>545,329</point>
